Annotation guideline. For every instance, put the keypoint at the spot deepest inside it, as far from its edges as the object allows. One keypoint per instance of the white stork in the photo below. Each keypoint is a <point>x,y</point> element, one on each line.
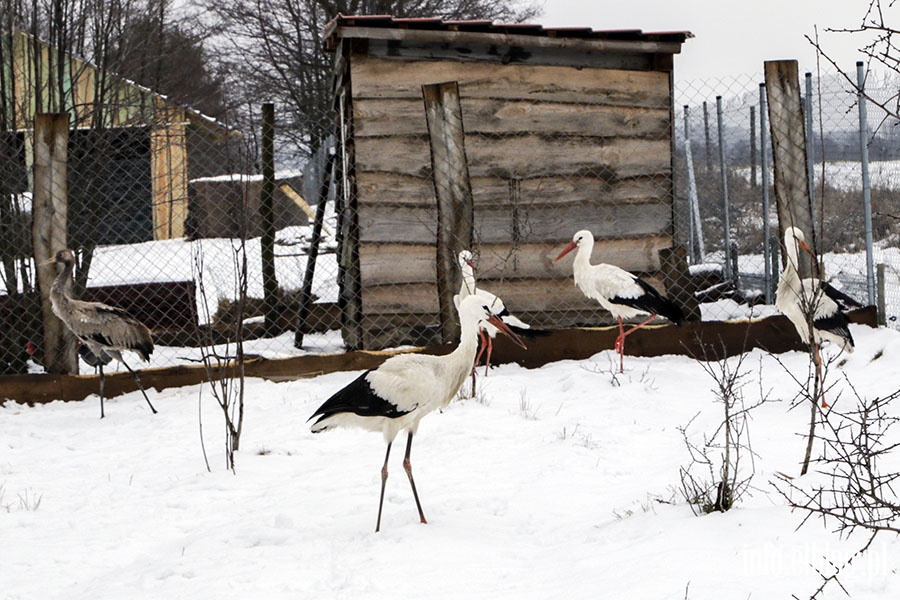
<point>487,332</point>
<point>102,330</point>
<point>812,301</point>
<point>397,395</point>
<point>621,293</point>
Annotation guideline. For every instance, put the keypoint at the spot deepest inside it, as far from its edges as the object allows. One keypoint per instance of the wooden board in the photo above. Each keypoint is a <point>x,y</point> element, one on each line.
<point>379,78</point>
<point>704,340</point>
<point>523,156</point>
<point>505,53</point>
<point>405,116</point>
<point>399,189</point>
<point>517,294</point>
<point>392,263</point>
<point>534,222</point>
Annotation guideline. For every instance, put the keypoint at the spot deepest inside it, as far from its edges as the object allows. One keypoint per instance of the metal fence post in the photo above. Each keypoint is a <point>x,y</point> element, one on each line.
<point>753,159</point>
<point>726,224</point>
<point>764,182</point>
<point>867,192</point>
<point>808,108</point>
<point>695,236</point>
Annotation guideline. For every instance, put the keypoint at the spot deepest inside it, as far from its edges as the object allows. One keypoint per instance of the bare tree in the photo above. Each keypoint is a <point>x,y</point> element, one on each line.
<point>721,456</point>
<point>274,53</point>
<point>878,43</point>
<point>858,493</point>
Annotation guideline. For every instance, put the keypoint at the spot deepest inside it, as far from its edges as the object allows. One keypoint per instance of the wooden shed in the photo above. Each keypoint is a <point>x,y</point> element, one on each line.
<point>565,129</point>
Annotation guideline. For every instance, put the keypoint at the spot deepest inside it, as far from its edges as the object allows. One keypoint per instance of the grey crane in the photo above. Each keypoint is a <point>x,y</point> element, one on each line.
<point>102,329</point>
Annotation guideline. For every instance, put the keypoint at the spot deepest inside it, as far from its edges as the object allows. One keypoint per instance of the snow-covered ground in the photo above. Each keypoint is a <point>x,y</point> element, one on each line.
<point>558,482</point>
<point>847,175</point>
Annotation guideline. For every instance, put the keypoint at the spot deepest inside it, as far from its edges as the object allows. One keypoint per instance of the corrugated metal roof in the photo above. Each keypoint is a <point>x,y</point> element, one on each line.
<point>482,26</point>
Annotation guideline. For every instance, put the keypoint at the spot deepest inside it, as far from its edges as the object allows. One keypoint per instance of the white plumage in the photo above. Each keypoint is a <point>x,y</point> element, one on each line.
<point>812,301</point>
<point>468,288</point>
<point>397,395</point>
<point>623,294</point>
<point>798,298</point>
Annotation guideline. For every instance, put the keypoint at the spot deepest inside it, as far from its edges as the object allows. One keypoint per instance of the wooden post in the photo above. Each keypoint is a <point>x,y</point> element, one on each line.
<point>673,263</point>
<point>453,191</point>
<point>168,166</point>
<point>313,254</point>
<point>49,223</point>
<point>267,220</point>
<point>786,124</point>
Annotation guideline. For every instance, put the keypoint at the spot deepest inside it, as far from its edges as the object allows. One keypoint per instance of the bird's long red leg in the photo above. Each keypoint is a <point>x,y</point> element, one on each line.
<point>639,325</point>
<point>384,476</point>
<point>407,465</point>
<point>620,346</point>
<point>481,346</point>
<point>490,348</point>
<point>620,342</point>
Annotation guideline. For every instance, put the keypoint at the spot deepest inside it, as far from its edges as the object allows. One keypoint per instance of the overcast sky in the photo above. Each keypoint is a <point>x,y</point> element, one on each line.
<point>731,38</point>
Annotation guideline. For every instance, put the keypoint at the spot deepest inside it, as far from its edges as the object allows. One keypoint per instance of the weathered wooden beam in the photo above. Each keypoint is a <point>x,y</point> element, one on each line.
<point>527,155</point>
<point>704,340</point>
<point>534,260</point>
<point>267,218</point>
<point>788,137</point>
<point>380,78</point>
<point>168,173</point>
<point>453,191</point>
<point>403,116</point>
<point>508,39</point>
<point>503,55</point>
<point>50,222</point>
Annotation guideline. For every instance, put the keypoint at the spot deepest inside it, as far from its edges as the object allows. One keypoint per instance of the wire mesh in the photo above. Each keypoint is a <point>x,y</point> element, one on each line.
<point>161,213</point>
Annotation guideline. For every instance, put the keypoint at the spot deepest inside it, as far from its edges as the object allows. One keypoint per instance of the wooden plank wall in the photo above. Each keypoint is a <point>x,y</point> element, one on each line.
<point>551,150</point>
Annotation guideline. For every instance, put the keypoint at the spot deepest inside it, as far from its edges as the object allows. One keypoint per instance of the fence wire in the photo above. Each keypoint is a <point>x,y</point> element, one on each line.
<point>161,217</point>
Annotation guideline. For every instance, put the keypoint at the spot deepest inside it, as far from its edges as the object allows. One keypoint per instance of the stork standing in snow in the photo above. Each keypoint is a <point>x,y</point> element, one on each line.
<point>811,301</point>
<point>624,295</point>
<point>487,332</point>
<point>397,395</point>
<point>103,330</point>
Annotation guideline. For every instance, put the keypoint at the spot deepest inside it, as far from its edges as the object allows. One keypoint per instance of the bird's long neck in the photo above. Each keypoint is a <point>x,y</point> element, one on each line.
<point>582,263</point>
<point>61,290</point>
<point>791,275</point>
<point>468,344</point>
<point>468,281</point>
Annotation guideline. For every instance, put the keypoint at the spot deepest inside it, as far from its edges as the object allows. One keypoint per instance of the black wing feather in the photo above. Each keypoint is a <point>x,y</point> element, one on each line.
<point>651,301</point>
<point>358,397</point>
<point>843,300</point>
<point>837,323</point>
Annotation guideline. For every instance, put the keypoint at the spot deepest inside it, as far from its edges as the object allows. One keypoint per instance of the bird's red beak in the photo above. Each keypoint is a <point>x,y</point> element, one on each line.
<point>806,248</point>
<point>566,250</point>
<point>504,328</point>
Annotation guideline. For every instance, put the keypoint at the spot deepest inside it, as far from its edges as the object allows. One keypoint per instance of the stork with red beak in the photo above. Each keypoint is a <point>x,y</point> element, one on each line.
<point>623,294</point>
<point>397,395</point>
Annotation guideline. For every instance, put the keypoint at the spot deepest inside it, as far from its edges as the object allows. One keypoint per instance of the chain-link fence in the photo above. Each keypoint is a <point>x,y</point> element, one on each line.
<point>163,212</point>
<point>729,168</point>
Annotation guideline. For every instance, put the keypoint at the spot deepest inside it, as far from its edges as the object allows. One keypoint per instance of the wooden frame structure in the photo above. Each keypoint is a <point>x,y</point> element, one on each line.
<point>98,100</point>
<point>565,129</point>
